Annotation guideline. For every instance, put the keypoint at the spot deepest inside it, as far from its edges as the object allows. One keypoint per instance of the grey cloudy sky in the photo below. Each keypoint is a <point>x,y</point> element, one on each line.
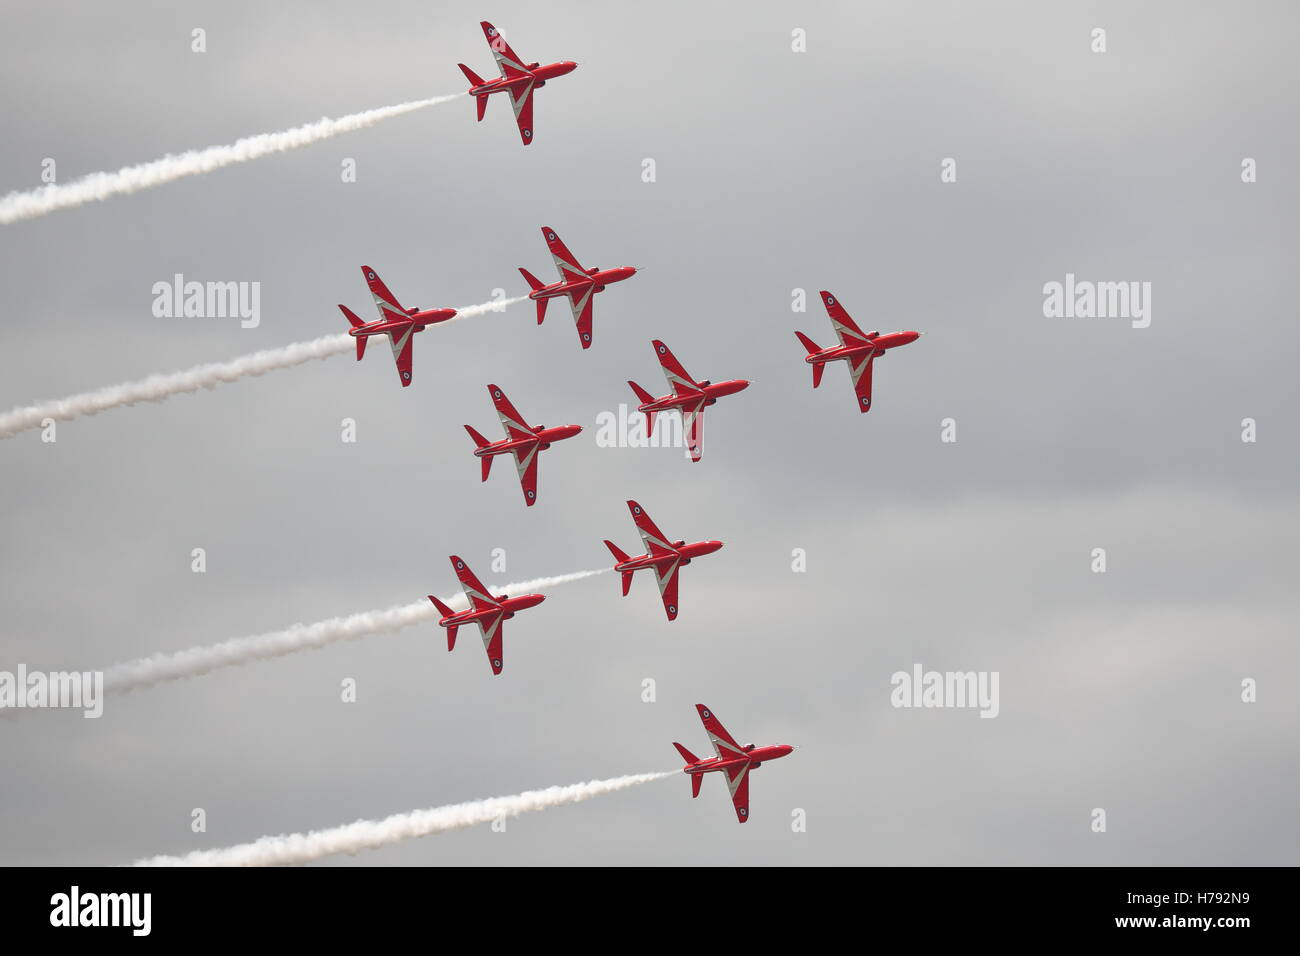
<point>776,171</point>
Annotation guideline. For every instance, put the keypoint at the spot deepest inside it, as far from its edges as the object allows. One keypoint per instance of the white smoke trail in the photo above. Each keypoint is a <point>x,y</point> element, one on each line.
<point>300,637</point>
<point>156,388</point>
<point>97,186</point>
<point>352,838</point>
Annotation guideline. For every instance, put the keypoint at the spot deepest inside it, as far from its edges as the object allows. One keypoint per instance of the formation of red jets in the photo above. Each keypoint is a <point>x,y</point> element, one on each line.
<point>687,396</point>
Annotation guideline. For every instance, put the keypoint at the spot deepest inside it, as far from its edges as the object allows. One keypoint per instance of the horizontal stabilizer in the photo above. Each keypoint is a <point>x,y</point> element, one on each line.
<point>644,397</point>
<point>686,754</point>
<point>474,78</point>
<point>617,552</point>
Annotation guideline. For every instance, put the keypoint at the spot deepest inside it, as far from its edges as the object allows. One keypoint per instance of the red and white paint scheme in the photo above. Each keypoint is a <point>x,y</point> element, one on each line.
<point>485,610</point>
<point>860,349</point>
<point>732,760</point>
<point>526,442</point>
<point>397,323</point>
<point>665,558</point>
<point>688,396</point>
<point>519,79</point>
<point>579,285</point>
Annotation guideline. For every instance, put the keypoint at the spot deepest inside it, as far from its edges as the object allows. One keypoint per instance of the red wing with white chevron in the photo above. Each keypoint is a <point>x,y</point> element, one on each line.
<point>665,558</point>
<point>399,324</point>
<point>576,284</point>
<point>485,609</point>
<point>859,349</point>
<point>523,441</point>
<point>518,80</point>
<point>730,759</point>
<point>688,397</point>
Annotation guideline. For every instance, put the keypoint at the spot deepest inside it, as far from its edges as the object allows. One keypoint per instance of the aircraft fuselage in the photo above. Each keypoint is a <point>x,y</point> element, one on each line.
<point>506,605</point>
<point>753,757</point>
<point>535,73</point>
<point>681,551</point>
<point>541,437</point>
<point>596,278</point>
<point>711,392</point>
<point>878,346</point>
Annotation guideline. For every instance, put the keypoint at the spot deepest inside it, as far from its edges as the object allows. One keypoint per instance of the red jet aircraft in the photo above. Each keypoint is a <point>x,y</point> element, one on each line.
<point>664,557</point>
<point>484,610</point>
<point>689,397</point>
<point>579,284</point>
<point>516,79</point>
<point>732,759</point>
<point>397,323</point>
<point>857,348</point>
<point>526,442</point>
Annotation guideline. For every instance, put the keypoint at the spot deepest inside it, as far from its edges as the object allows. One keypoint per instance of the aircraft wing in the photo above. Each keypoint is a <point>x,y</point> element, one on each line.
<point>655,541</point>
<point>724,745</point>
<point>667,578</point>
<point>521,100</point>
<point>861,371</point>
<point>511,420</point>
<point>738,784</point>
<point>693,429</point>
<point>581,305</point>
<point>678,379</point>
<point>387,304</point>
<point>479,596</point>
<point>845,327</point>
<point>565,261</point>
<point>492,629</point>
<point>526,465</point>
<point>507,62</point>
<point>402,349</point>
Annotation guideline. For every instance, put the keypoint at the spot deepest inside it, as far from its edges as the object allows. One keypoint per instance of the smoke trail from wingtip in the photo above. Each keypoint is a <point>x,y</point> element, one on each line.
<point>352,838</point>
<point>196,661</point>
<point>98,186</point>
<point>157,388</point>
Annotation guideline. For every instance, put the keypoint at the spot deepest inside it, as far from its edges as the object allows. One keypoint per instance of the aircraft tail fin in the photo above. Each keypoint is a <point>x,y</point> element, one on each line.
<point>686,754</point>
<point>445,611</point>
<point>474,78</point>
<point>481,442</point>
<point>645,397</point>
<point>356,323</point>
<point>813,348</point>
<point>536,284</point>
<point>616,551</point>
